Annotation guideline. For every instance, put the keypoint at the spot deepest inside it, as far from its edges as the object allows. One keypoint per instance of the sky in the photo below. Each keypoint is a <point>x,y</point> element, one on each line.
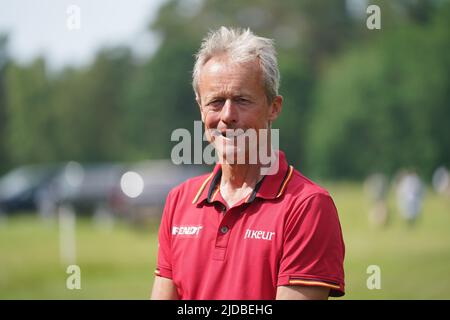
<point>70,32</point>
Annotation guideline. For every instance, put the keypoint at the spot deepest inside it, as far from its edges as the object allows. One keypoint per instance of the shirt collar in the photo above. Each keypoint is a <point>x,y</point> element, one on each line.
<point>270,187</point>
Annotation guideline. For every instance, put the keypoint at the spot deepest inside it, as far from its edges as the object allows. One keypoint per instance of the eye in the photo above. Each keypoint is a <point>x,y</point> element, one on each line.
<point>215,104</point>
<point>242,100</point>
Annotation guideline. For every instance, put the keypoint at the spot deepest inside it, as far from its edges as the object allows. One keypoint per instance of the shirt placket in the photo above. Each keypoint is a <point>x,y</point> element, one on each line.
<point>225,229</point>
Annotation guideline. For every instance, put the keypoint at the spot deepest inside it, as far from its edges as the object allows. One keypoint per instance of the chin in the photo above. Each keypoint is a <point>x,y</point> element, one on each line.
<point>234,155</point>
<point>226,149</point>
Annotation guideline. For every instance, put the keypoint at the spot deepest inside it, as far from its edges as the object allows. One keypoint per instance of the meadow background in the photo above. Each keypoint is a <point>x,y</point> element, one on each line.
<point>356,102</point>
<point>118,263</point>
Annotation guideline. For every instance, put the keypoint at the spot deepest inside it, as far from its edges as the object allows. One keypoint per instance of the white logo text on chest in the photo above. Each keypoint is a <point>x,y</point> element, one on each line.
<point>192,231</point>
<point>258,234</point>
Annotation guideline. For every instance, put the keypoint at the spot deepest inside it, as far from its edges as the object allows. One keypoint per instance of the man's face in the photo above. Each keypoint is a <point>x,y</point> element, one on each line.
<point>232,96</point>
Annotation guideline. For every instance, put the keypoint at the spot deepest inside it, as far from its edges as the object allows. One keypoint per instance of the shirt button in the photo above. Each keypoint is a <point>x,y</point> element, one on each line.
<point>224,229</point>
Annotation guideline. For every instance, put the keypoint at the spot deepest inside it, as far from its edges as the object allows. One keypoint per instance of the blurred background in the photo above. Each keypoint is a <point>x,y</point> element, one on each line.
<point>90,93</point>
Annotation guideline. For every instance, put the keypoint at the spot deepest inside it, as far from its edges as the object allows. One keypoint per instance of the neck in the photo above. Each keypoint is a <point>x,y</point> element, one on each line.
<point>238,181</point>
<point>238,176</point>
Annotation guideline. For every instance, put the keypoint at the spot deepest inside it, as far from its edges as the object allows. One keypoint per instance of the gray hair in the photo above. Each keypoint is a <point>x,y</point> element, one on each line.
<point>240,45</point>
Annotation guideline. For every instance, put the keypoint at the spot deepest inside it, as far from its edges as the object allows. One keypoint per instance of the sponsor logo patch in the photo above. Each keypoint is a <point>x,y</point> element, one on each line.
<point>258,234</point>
<point>186,231</point>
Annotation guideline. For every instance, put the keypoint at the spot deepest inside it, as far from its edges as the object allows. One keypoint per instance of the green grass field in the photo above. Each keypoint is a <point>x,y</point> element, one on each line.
<point>119,264</point>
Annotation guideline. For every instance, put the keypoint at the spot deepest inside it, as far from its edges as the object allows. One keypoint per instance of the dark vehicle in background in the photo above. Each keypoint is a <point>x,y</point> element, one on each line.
<point>144,187</point>
<point>24,189</point>
<point>134,192</point>
<point>44,188</point>
<point>87,188</point>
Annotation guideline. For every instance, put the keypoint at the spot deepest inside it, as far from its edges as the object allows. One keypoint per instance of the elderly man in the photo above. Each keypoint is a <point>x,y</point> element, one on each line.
<point>238,233</point>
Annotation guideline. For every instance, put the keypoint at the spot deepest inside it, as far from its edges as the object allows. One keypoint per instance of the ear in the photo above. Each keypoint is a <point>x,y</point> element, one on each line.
<point>199,103</point>
<point>275,108</point>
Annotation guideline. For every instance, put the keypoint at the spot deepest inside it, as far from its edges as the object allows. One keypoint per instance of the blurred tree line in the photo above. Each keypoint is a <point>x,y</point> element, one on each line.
<point>355,100</point>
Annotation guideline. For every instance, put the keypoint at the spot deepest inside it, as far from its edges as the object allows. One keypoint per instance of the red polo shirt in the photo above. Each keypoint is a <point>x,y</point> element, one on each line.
<point>285,233</point>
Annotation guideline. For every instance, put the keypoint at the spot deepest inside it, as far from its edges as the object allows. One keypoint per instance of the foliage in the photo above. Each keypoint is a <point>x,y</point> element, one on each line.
<point>355,100</point>
<point>385,105</point>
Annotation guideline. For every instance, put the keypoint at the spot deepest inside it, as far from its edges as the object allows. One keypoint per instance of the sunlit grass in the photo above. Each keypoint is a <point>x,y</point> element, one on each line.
<point>414,260</point>
<point>116,263</point>
<point>119,263</point>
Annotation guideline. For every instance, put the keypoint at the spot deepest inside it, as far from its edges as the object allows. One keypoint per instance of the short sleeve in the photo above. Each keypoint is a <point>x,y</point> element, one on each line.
<point>164,263</point>
<point>313,246</point>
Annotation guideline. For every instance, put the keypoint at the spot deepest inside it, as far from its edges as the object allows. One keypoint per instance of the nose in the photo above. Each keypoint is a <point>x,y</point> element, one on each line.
<point>230,113</point>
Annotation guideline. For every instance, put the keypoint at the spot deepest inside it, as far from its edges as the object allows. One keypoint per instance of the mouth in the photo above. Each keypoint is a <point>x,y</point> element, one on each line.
<point>229,133</point>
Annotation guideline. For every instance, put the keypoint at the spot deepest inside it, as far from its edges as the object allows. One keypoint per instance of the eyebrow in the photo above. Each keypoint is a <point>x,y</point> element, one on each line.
<point>221,95</point>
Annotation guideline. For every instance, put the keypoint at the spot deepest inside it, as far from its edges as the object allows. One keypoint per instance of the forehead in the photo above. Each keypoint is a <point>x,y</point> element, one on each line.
<point>221,76</point>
